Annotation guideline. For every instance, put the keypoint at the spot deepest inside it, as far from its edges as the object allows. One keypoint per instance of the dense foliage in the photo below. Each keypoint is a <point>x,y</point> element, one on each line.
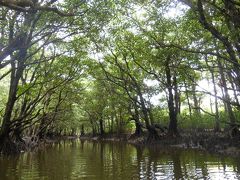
<point>156,67</point>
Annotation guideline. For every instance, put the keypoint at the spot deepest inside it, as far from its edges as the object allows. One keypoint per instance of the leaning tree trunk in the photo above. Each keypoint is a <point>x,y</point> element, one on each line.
<point>12,97</point>
<point>188,100</point>
<point>17,68</point>
<point>231,116</point>
<point>232,119</point>
<point>152,132</point>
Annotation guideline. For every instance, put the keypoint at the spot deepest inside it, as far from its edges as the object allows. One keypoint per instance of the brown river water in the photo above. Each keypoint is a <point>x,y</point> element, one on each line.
<point>104,161</point>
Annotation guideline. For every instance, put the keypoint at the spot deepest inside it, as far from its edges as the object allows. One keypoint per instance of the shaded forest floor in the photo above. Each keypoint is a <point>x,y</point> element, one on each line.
<point>219,143</point>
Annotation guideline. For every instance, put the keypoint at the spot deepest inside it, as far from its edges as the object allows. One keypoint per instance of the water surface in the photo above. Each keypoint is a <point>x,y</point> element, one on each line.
<point>103,161</point>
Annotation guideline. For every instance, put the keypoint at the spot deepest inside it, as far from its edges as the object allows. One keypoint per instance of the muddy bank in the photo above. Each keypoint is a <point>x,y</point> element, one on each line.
<point>50,140</point>
<point>218,143</point>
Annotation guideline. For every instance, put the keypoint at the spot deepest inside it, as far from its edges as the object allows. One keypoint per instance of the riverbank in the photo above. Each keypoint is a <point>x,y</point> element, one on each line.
<point>209,141</point>
<point>29,144</point>
<point>218,143</point>
<point>84,159</point>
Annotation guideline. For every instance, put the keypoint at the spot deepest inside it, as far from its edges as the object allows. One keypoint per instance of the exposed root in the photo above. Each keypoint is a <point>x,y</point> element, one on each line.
<point>153,135</point>
<point>234,132</point>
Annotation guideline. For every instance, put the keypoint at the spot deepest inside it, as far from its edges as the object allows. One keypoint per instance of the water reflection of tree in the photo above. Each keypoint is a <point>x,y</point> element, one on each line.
<point>57,163</point>
<point>5,171</point>
<point>153,163</point>
<point>139,151</point>
<point>238,165</point>
<point>82,144</point>
<point>95,160</point>
<point>177,168</point>
<point>168,159</point>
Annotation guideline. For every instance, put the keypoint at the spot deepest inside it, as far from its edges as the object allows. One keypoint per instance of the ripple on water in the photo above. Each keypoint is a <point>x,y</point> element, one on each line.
<point>89,160</point>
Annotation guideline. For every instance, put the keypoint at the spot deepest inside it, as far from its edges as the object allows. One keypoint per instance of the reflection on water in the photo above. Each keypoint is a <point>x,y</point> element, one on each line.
<point>91,160</point>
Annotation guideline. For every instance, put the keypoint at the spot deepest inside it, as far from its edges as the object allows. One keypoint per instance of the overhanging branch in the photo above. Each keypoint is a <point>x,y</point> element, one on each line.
<point>29,6</point>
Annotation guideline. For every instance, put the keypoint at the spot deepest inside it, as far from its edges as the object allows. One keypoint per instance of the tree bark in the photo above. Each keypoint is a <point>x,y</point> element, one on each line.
<point>217,123</point>
<point>102,132</point>
<point>15,76</point>
<point>188,100</point>
<point>138,127</point>
<point>172,129</point>
<point>231,116</point>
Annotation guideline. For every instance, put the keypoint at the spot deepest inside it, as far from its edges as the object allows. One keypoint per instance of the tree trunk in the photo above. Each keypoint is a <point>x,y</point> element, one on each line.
<point>233,127</point>
<point>233,88</point>
<point>188,100</point>
<point>15,76</point>
<point>195,100</point>
<point>152,133</point>
<point>101,126</point>
<point>138,128</point>
<point>172,129</point>
<point>227,99</point>
<point>217,123</point>
<point>82,133</point>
